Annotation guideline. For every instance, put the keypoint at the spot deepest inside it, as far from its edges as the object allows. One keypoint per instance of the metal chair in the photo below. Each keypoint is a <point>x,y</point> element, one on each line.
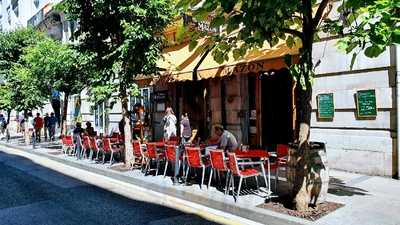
<point>153,155</point>
<point>234,171</point>
<point>194,160</point>
<point>218,164</point>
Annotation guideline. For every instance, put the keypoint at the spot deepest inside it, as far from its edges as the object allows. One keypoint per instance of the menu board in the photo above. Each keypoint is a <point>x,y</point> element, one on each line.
<point>366,103</point>
<point>326,108</point>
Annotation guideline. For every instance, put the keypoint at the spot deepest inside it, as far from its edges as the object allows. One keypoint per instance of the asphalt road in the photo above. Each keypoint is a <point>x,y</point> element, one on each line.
<point>34,195</point>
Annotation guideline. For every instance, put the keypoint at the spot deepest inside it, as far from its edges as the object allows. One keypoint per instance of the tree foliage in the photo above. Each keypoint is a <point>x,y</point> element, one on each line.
<point>59,66</point>
<point>124,35</point>
<point>20,89</point>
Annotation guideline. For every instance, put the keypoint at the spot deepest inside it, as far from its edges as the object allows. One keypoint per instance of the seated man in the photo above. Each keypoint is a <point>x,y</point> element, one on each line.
<point>227,141</point>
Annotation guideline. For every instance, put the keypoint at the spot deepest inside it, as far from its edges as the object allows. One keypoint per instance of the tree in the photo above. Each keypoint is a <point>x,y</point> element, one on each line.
<point>126,37</point>
<point>6,102</point>
<point>23,91</point>
<point>249,24</point>
<point>61,68</point>
<point>20,89</point>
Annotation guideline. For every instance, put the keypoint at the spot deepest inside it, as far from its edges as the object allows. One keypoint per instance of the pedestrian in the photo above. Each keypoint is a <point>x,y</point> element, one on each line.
<point>21,122</point>
<point>169,122</point>
<point>77,137</point>
<point>38,125</point>
<point>2,123</point>
<point>186,130</point>
<point>89,131</point>
<point>31,127</point>
<point>46,126</point>
<point>52,126</point>
<point>227,141</point>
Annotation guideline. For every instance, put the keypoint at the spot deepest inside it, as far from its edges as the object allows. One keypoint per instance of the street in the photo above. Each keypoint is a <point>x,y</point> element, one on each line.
<point>32,194</point>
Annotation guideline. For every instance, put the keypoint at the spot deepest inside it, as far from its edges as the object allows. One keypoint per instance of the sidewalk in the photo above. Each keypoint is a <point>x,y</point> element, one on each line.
<point>367,199</point>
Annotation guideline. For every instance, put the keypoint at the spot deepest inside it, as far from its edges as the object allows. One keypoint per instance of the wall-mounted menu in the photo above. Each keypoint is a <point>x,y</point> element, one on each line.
<point>366,103</point>
<point>326,108</point>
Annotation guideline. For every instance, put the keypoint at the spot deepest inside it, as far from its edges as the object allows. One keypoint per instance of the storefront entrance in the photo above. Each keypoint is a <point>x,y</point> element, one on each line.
<point>271,109</point>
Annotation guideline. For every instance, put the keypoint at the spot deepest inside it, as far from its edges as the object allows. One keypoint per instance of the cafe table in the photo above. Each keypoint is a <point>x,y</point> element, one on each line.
<point>261,156</point>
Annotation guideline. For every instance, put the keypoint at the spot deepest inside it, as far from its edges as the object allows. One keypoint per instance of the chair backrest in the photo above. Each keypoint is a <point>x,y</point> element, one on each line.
<point>86,142</point>
<point>106,144</point>
<point>172,142</point>
<point>67,140</point>
<point>93,144</point>
<point>170,153</point>
<point>218,159</point>
<point>137,149</point>
<point>193,155</point>
<point>151,150</point>
<point>233,166</point>
<point>282,150</point>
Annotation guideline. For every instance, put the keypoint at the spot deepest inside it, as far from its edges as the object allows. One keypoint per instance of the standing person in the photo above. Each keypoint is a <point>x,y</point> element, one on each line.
<point>21,122</point>
<point>31,127</point>
<point>38,125</point>
<point>52,126</point>
<point>169,122</point>
<point>46,126</point>
<point>77,136</point>
<point>227,141</point>
<point>2,123</point>
<point>186,130</point>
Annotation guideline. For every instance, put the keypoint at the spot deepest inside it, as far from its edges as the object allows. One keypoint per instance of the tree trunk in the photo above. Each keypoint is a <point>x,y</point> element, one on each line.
<point>129,157</point>
<point>300,189</point>
<point>64,115</point>
<point>26,133</point>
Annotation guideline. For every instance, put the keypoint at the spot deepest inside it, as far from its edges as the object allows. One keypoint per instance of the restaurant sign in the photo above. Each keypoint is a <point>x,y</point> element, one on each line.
<point>251,67</point>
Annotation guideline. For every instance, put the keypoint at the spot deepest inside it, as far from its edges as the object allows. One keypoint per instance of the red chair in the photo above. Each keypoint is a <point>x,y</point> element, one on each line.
<point>108,148</point>
<point>218,164</point>
<point>67,144</point>
<point>85,145</point>
<point>170,155</point>
<point>282,151</point>
<point>194,160</point>
<point>138,154</point>
<point>241,173</point>
<point>94,148</point>
<point>152,155</point>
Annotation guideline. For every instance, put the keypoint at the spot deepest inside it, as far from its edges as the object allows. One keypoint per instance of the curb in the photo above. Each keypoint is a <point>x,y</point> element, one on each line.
<point>210,209</point>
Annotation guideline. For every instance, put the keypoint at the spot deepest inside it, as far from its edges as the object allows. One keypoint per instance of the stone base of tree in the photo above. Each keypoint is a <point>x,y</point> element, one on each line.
<point>284,205</point>
<point>308,174</point>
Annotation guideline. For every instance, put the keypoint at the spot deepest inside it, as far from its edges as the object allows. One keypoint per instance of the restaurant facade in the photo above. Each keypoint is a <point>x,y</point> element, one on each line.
<point>354,110</point>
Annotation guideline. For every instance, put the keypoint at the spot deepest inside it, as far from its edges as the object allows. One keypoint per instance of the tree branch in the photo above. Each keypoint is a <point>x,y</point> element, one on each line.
<point>320,12</point>
<point>294,32</point>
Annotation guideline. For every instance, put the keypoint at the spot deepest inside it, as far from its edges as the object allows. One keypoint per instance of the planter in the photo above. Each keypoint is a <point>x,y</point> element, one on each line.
<point>314,169</point>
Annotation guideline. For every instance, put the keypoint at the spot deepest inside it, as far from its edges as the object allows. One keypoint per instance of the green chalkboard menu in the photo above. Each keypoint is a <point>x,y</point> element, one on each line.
<point>326,108</point>
<point>366,103</point>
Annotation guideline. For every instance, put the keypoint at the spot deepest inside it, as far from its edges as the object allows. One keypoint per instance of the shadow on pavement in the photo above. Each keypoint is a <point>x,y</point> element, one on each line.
<point>339,188</point>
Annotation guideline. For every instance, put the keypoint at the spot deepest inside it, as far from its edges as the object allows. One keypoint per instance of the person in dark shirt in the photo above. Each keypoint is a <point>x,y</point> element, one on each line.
<point>77,136</point>
<point>46,126</point>
<point>52,126</point>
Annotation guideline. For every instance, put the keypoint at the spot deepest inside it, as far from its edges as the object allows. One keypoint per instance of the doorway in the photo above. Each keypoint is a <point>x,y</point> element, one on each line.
<point>276,108</point>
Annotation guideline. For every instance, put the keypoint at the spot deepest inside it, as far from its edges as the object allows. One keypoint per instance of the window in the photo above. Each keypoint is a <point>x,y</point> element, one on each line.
<point>36,3</point>
<point>143,99</point>
<point>9,14</point>
<point>14,4</point>
<point>99,116</point>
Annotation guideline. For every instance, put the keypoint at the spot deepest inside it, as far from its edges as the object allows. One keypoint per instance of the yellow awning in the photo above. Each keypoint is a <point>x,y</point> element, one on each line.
<point>254,62</point>
<point>179,62</point>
